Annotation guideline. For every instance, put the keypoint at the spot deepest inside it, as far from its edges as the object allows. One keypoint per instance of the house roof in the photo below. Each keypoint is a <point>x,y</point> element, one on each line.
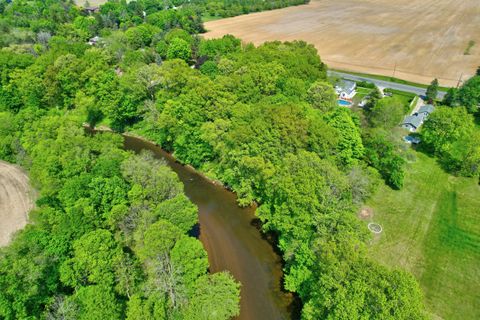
<point>415,121</point>
<point>428,108</point>
<point>346,86</point>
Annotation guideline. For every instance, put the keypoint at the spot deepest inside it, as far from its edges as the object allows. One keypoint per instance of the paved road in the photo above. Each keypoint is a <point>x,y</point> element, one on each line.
<point>385,84</point>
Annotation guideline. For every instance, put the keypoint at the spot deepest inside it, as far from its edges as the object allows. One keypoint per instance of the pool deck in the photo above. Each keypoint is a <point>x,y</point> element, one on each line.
<point>344,103</point>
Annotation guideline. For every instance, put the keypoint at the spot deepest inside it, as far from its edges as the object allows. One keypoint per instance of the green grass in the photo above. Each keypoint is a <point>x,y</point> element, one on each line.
<point>405,97</point>
<point>402,93</point>
<point>432,228</point>
<point>412,104</point>
<point>361,93</point>
<point>391,79</point>
<point>207,17</point>
<point>470,45</point>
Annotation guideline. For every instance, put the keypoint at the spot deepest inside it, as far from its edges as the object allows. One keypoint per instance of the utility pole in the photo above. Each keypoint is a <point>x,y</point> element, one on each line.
<point>394,69</point>
<point>459,80</point>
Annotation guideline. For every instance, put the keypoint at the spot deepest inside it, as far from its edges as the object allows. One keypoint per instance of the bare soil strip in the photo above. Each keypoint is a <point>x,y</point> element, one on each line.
<point>90,2</point>
<point>420,39</point>
<point>16,200</point>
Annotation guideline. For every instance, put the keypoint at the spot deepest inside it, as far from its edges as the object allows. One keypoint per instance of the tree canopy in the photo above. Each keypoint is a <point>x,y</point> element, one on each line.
<point>451,134</point>
<point>109,237</point>
<point>103,238</point>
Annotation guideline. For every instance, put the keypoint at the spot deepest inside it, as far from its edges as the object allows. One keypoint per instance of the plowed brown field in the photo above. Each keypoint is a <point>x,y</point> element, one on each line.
<point>422,38</point>
<point>16,200</point>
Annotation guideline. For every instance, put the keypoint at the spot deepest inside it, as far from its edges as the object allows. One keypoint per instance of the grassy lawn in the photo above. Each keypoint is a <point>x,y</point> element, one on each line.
<point>412,104</point>
<point>405,97</point>
<point>207,17</point>
<point>391,79</point>
<point>361,93</point>
<point>408,100</point>
<point>432,228</point>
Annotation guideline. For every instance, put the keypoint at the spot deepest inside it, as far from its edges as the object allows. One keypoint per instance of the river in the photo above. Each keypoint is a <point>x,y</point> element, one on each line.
<point>233,242</point>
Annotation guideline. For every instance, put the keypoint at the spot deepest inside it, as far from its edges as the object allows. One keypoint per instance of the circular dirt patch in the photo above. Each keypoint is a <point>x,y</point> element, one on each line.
<point>365,213</point>
<point>375,227</point>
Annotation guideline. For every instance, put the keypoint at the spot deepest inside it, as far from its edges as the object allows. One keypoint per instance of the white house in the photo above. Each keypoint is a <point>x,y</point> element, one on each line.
<point>346,89</point>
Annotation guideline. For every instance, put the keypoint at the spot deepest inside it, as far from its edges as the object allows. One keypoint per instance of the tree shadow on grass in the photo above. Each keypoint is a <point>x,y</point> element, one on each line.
<point>444,164</point>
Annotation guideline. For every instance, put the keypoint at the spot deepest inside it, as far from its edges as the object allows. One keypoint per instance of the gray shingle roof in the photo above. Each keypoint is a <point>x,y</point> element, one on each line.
<point>426,109</point>
<point>346,86</point>
<point>415,121</point>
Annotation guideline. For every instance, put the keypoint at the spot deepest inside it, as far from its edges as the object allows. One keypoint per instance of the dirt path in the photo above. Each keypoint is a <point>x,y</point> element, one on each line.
<point>420,39</point>
<point>16,200</point>
<point>91,2</point>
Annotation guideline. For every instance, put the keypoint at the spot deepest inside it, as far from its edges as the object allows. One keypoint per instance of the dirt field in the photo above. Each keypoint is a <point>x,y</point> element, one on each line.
<point>423,38</point>
<point>91,2</point>
<point>16,200</point>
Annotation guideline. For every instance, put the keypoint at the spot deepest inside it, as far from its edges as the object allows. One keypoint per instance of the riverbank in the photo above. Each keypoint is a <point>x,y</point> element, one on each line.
<point>137,136</point>
<point>231,236</point>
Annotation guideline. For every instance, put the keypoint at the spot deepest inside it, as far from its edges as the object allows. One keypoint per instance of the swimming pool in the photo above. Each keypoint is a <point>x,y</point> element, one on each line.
<point>344,103</point>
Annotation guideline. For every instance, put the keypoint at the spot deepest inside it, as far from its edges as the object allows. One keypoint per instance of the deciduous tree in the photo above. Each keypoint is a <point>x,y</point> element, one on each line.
<point>432,91</point>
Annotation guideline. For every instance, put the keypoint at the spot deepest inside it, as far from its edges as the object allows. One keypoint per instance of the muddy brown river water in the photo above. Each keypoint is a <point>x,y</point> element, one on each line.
<point>232,241</point>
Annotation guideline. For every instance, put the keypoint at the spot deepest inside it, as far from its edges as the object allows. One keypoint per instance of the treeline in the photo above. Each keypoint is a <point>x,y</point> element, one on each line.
<point>24,21</point>
<point>382,151</point>
<point>452,131</point>
<point>111,226</point>
<point>108,239</point>
<point>36,21</point>
<point>231,8</point>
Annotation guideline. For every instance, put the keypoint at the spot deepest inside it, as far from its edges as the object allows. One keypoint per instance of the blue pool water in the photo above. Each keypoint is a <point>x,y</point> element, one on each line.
<point>344,103</point>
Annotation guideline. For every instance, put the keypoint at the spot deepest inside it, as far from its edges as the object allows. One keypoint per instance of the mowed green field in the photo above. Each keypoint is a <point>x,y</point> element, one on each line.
<point>432,228</point>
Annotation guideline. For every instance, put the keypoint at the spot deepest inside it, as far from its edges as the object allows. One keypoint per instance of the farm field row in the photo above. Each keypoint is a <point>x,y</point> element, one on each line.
<point>16,200</point>
<point>419,39</point>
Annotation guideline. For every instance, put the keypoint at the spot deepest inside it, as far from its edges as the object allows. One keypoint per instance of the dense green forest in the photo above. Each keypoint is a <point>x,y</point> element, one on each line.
<point>109,236</point>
